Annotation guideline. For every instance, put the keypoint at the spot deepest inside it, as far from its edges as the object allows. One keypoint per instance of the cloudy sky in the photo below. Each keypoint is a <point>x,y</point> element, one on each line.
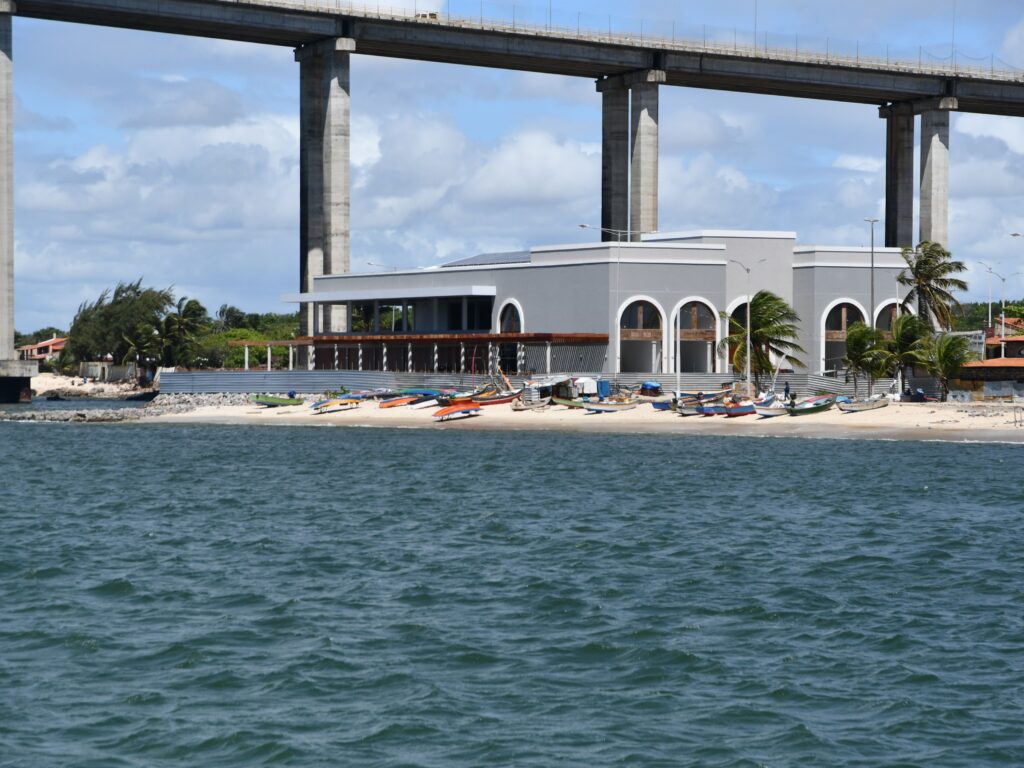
<point>176,159</point>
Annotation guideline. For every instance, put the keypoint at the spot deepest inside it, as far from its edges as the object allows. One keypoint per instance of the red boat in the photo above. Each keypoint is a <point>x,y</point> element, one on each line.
<point>498,399</point>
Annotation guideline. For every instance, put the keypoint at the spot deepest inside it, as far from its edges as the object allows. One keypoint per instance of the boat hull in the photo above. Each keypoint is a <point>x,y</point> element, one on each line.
<point>862,405</point>
<point>448,413</point>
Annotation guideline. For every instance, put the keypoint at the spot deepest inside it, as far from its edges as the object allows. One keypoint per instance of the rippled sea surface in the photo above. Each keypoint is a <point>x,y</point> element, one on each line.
<point>217,596</point>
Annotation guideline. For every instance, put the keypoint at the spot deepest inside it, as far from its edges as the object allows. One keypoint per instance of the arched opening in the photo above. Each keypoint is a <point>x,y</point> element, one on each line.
<point>886,316</point>
<point>837,321</point>
<point>738,319</point>
<point>509,321</point>
<point>640,335</point>
<point>696,335</point>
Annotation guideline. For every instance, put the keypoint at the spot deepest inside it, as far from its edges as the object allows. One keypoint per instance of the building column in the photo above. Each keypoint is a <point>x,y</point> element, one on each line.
<point>15,375</point>
<point>643,204</point>
<point>899,176</point>
<point>935,176</point>
<point>614,162</point>
<point>324,171</point>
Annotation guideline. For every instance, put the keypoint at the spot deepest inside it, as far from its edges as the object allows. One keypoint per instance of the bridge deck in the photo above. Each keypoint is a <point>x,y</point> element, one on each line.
<point>552,50</point>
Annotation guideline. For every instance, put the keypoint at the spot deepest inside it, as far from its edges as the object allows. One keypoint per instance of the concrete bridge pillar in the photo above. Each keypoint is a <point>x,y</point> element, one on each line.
<point>629,164</point>
<point>643,204</point>
<point>935,176</point>
<point>324,87</point>
<point>614,162</point>
<point>899,176</point>
<point>15,375</point>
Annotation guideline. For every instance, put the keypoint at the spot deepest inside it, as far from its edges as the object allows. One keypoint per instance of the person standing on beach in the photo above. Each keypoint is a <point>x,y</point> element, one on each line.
<point>785,394</point>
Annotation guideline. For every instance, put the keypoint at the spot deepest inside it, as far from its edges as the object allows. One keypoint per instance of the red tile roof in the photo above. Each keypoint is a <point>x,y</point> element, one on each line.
<point>995,341</point>
<point>997,362</point>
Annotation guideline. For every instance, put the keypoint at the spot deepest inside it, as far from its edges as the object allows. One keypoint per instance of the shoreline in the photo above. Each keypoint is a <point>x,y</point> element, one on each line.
<point>946,422</point>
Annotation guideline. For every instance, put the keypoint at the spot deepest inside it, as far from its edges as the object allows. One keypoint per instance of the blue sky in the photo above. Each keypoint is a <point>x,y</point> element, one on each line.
<point>175,159</point>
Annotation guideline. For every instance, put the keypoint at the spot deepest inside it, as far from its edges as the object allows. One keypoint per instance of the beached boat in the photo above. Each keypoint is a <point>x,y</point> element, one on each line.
<point>855,406</point>
<point>733,410</point>
<point>711,409</point>
<point>688,408</point>
<point>609,406</point>
<point>531,405</point>
<point>429,402</point>
<point>458,411</point>
<point>812,405</point>
<point>662,405</point>
<point>703,395</point>
<point>270,401</point>
<point>498,398</point>
<point>338,404</point>
<point>770,411</point>
<point>567,403</point>
<point>398,402</point>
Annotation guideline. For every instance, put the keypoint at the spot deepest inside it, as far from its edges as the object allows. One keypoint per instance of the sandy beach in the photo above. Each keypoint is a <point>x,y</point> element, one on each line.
<point>898,421</point>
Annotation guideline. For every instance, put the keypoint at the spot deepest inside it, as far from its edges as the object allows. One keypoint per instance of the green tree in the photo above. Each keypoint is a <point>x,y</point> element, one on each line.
<point>144,347</point>
<point>180,329</point>
<point>945,356</point>
<point>907,346</point>
<point>773,333</point>
<point>228,318</point>
<point>864,353</point>
<point>929,276</point>
<point>100,327</point>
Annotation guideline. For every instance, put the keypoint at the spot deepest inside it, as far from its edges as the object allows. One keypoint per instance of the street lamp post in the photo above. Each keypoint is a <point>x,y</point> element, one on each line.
<point>871,307</point>
<point>989,270</point>
<point>747,269</point>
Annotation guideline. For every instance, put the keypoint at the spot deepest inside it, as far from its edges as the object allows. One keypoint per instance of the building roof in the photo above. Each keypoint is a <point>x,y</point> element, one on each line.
<point>997,362</point>
<point>995,341</point>
<point>485,259</point>
<point>56,341</point>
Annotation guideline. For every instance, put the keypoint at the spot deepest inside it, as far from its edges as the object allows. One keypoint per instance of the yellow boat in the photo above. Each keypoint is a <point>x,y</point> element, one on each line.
<point>338,404</point>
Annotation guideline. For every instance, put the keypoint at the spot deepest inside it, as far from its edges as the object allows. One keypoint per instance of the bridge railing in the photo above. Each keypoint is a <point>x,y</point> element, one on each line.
<point>743,45</point>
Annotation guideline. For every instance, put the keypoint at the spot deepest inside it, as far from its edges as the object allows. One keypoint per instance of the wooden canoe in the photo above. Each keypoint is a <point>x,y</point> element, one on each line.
<point>397,402</point>
<point>812,405</point>
<point>567,403</point>
<point>608,407</point>
<point>863,405</point>
<point>457,411</point>
<point>269,401</point>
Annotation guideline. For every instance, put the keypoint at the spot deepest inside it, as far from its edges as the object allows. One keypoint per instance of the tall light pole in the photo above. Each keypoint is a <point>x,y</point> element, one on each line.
<point>989,270</point>
<point>871,307</point>
<point>747,269</point>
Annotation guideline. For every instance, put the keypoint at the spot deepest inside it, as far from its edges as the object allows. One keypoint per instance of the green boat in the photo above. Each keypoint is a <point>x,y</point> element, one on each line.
<point>269,401</point>
<point>567,403</point>
<point>812,405</point>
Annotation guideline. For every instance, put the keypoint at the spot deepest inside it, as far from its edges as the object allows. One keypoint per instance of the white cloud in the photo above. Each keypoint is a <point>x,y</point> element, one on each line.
<point>859,163</point>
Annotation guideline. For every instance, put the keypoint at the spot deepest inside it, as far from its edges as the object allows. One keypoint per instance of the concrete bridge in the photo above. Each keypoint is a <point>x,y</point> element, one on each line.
<point>628,72</point>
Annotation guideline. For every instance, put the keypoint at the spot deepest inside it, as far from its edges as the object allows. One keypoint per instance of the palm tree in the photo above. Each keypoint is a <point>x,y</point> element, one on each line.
<point>863,353</point>
<point>143,345</point>
<point>773,332</point>
<point>908,345</point>
<point>946,355</point>
<point>179,330</point>
<point>928,275</point>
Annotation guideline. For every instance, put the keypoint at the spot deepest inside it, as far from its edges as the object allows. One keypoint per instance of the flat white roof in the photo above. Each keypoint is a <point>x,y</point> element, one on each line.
<point>736,233</point>
<point>423,292</point>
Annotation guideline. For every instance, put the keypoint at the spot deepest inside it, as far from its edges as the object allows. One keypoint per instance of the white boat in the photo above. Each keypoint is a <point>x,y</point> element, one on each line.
<point>878,401</point>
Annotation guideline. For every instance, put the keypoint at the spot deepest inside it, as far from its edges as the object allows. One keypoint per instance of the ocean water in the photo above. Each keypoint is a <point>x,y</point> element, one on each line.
<point>236,596</point>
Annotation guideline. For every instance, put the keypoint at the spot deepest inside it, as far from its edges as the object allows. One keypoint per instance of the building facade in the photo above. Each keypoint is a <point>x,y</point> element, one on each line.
<point>654,306</point>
